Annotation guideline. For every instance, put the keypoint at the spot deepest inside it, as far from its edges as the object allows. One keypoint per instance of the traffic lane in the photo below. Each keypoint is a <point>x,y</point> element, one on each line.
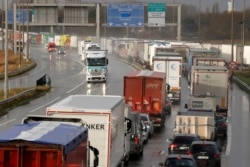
<point>51,64</point>
<point>114,84</point>
<point>238,148</point>
<point>60,89</point>
<point>156,150</point>
<point>70,83</point>
<point>157,147</point>
<point>63,83</point>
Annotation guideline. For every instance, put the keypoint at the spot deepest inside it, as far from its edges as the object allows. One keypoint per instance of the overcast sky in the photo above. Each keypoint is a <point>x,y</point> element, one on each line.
<point>223,4</point>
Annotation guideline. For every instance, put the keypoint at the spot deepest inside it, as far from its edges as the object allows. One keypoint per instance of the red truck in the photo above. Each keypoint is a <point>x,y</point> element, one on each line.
<point>51,47</point>
<point>44,144</point>
<point>145,92</point>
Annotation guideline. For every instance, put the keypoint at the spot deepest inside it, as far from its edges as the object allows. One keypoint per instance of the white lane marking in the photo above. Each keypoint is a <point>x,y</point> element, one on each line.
<point>76,87</point>
<point>229,133</point>
<point>45,105</point>
<point>229,137</point>
<point>7,122</point>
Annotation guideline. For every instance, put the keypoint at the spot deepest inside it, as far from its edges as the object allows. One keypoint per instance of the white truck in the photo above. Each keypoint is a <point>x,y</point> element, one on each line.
<point>106,118</point>
<point>197,122</point>
<point>213,80</point>
<point>96,64</point>
<point>83,46</point>
<point>154,48</point>
<point>171,64</point>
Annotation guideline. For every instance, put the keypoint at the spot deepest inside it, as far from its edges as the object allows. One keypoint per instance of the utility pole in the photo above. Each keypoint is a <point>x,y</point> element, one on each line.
<point>6,84</point>
<point>232,31</point>
<point>20,35</point>
<point>27,40</point>
<point>2,13</point>
<point>244,21</point>
<point>199,21</point>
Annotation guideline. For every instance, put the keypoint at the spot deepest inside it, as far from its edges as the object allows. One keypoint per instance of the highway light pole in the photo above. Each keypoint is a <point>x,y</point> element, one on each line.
<point>232,30</point>
<point>199,21</point>
<point>6,88</point>
<point>27,40</point>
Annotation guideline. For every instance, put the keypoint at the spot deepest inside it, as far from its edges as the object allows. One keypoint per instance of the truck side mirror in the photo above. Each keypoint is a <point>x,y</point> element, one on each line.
<point>96,153</point>
<point>185,106</point>
<point>107,61</point>
<point>129,125</point>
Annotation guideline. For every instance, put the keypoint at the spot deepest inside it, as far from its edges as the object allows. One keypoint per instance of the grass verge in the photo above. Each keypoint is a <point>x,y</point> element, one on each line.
<point>22,99</point>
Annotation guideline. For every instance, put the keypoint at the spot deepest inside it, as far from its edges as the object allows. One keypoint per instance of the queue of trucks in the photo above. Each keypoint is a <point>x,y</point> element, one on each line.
<point>95,130</point>
<point>208,99</point>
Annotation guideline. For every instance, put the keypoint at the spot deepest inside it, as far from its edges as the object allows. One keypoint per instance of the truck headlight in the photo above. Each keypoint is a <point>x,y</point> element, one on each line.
<point>104,72</point>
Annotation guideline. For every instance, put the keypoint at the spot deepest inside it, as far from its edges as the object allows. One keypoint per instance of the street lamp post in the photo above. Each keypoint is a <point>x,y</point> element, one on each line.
<point>241,40</point>
<point>27,41</point>
<point>6,85</point>
<point>199,21</point>
<point>232,31</point>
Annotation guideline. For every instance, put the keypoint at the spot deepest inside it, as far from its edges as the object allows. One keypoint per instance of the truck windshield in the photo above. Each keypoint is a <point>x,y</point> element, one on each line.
<point>96,61</point>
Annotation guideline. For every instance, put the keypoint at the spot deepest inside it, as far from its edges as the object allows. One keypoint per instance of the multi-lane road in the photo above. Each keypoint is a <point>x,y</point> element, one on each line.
<point>68,77</point>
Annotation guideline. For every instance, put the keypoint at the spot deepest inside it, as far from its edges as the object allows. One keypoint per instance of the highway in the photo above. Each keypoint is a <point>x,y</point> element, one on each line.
<point>68,77</point>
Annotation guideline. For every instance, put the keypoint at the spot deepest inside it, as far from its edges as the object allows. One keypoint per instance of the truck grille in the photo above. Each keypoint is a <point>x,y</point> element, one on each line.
<point>96,72</point>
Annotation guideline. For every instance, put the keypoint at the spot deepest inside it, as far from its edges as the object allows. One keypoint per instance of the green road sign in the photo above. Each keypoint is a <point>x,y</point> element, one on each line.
<point>156,7</point>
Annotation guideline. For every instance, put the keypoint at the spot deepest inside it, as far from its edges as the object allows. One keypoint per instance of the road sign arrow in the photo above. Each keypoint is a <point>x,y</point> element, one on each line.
<point>125,23</point>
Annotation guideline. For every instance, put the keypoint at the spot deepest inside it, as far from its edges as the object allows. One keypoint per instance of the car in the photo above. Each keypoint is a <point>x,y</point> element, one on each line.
<point>221,125</point>
<point>178,160</point>
<point>180,143</point>
<point>205,153</point>
<point>148,122</point>
<point>136,138</point>
<point>168,106</point>
<point>61,51</point>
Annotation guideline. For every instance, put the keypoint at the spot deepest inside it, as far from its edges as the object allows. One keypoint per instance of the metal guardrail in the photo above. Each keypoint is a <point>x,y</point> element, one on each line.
<point>242,83</point>
<point>19,71</point>
<point>17,96</point>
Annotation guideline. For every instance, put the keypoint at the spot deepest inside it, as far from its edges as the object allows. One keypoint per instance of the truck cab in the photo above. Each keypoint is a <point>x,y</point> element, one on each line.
<point>96,64</point>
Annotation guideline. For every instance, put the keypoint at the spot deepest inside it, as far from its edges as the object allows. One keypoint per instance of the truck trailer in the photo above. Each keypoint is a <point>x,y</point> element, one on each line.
<point>171,64</point>
<point>44,144</point>
<point>84,46</point>
<point>105,117</point>
<point>145,92</point>
<point>213,80</point>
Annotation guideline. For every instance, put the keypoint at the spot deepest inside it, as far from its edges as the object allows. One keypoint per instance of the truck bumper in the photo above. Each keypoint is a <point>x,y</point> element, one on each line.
<point>96,78</point>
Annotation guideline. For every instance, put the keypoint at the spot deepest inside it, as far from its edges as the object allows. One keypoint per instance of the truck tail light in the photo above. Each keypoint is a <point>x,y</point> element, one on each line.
<point>172,146</point>
<point>190,153</point>
<point>136,140</point>
<point>156,106</point>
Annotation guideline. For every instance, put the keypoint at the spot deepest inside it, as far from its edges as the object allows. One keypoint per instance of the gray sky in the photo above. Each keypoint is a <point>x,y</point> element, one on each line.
<point>223,4</point>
